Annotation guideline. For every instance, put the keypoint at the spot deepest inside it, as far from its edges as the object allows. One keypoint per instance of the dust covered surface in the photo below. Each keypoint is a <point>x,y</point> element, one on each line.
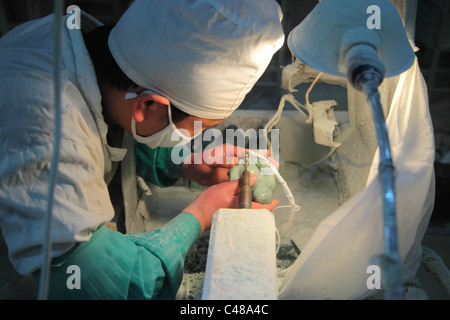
<point>195,266</point>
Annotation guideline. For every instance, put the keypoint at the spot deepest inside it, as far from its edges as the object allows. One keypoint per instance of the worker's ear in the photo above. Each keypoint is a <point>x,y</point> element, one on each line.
<point>146,105</point>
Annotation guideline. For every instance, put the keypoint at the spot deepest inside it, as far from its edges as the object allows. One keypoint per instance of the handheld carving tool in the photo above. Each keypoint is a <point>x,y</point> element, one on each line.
<point>245,192</point>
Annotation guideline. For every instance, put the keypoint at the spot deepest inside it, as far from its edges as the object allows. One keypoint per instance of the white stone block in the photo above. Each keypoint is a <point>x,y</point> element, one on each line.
<point>242,256</point>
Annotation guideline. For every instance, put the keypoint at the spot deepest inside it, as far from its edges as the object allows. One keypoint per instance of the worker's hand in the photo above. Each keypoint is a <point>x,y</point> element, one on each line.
<point>215,163</point>
<point>223,195</point>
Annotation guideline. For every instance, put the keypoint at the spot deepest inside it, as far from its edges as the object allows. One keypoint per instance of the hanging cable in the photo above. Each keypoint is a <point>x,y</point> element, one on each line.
<point>45,269</point>
<point>297,105</point>
<point>308,105</point>
<point>268,127</point>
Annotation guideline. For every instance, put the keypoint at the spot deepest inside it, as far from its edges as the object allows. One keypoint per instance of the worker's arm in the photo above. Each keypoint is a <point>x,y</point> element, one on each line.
<point>116,266</point>
<point>223,195</point>
<point>140,265</point>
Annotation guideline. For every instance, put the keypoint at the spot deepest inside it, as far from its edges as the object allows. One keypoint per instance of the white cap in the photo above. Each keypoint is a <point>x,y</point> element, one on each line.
<point>203,55</point>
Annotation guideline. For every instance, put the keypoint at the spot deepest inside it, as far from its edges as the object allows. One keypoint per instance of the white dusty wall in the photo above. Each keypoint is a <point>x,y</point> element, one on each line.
<point>359,144</point>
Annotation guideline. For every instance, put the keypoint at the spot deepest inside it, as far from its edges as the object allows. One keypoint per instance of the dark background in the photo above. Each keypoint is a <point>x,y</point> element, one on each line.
<point>432,37</point>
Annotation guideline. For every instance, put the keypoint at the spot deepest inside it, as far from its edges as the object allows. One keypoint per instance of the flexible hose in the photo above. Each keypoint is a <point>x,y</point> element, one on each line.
<point>45,269</point>
<point>365,72</point>
<point>390,261</point>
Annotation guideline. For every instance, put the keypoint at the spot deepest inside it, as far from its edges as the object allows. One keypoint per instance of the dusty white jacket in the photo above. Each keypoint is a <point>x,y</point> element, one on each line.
<point>81,199</point>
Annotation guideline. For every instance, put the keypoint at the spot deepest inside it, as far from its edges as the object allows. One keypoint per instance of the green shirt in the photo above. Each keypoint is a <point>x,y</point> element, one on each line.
<point>156,165</point>
<point>135,266</point>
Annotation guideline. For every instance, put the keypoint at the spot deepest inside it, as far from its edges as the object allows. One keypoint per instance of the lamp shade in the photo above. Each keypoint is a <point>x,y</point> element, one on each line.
<point>322,39</point>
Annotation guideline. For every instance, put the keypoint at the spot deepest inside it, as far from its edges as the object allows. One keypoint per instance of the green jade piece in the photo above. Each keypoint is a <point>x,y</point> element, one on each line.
<point>265,183</point>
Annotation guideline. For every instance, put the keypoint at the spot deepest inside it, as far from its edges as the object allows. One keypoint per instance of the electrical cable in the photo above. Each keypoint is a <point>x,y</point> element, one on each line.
<point>268,127</point>
<point>390,261</point>
<point>45,269</point>
<point>308,105</point>
<point>311,87</point>
<point>365,72</point>
<point>297,105</point>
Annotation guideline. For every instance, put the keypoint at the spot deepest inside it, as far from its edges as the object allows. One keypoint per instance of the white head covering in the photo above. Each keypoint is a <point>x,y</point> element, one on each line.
<point>203,55</point>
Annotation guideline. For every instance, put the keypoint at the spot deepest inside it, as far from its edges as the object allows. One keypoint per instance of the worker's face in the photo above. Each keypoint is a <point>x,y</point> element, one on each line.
<point>151,114</point>
<point>157,118</point>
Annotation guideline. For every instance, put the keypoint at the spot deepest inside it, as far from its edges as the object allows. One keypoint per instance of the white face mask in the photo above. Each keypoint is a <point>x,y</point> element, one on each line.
<point>168,137</point>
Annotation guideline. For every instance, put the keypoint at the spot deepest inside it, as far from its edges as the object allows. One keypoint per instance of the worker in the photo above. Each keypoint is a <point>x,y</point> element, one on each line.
<point>164,65</point>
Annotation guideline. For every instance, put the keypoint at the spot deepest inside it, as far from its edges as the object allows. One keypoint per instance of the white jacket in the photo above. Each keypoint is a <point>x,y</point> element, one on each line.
<point>81,199</point>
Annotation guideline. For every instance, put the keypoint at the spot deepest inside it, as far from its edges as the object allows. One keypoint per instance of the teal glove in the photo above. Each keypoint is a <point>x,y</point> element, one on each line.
<point>136,266</point>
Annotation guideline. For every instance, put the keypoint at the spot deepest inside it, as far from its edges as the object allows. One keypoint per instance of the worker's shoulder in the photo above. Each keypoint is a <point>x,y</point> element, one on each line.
<point>27,48</point>
<point>28,32</point>
<point>27,65</point>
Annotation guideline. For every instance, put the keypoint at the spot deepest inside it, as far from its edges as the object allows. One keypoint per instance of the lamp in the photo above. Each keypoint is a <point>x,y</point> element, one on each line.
<point>325,38</point>
<point>365,41</point>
